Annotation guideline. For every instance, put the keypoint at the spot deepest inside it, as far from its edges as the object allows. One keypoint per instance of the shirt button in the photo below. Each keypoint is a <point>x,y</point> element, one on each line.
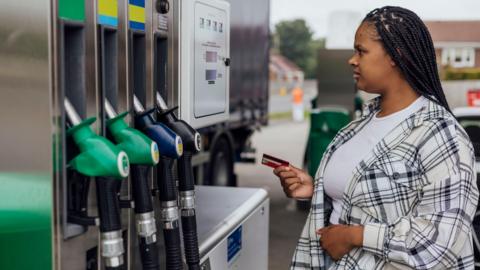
<point>396,175</point>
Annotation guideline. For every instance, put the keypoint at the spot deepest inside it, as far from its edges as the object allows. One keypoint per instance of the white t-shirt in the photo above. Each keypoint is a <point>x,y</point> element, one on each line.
<point>339,169</point>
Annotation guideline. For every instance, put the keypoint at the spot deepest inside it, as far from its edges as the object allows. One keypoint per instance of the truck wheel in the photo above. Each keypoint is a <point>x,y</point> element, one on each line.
<point>221,165</point>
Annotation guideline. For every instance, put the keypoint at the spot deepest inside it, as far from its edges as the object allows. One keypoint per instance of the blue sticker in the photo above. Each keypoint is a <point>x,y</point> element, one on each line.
<point>137,25</point>
<point>234,244</point>
<point>107,20</point>
<point>140,3</point>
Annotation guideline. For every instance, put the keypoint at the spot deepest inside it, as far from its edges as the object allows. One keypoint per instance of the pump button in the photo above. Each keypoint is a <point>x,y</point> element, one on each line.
<point>162,6</point>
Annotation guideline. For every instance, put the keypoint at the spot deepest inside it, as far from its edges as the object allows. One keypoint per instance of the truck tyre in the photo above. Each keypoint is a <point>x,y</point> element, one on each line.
<point>220,172</point>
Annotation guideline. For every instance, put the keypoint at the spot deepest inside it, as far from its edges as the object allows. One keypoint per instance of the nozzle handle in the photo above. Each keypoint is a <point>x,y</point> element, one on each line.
<point>165,180</point>
<point>185,172</point>
<point>108,203</point>
<point>141,190</point>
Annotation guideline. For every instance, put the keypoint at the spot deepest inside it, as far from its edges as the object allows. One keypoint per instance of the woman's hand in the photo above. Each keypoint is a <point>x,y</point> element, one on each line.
<point>296,183</point>
<point>338,240</point>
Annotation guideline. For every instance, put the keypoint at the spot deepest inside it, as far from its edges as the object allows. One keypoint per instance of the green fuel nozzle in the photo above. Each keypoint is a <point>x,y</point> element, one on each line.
<point>98,156</point>
<point>143,154</point>
<point>109,165</point>
<point>140,149</point>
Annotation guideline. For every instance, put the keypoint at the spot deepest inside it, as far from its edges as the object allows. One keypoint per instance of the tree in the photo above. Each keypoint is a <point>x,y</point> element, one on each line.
<point>294,42</point>
<point>315,46</point>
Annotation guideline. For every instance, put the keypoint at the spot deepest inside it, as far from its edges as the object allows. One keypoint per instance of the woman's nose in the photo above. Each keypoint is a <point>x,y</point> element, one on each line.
<point>352,61</point>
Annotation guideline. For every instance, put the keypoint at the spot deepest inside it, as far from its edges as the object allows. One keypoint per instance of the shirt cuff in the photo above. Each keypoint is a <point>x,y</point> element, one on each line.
<point>375,238</point>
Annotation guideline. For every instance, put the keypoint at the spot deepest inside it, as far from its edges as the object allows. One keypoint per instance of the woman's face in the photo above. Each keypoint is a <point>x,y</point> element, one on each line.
<point>372,66</point>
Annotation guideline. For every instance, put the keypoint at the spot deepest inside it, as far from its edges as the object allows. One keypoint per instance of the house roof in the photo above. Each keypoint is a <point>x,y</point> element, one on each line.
<point>454,31</point>
<point>281,63</point>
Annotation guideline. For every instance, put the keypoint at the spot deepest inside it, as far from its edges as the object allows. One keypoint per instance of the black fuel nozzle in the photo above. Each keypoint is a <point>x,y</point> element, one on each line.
<point>192,145</point>
<point>171,148</point>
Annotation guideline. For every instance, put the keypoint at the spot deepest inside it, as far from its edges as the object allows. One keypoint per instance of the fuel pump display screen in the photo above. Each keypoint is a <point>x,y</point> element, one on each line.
<point>210,74</point>
<point>211,57</point>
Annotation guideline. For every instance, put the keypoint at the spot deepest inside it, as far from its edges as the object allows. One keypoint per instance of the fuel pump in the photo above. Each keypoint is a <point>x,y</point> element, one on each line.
<point>192,144</point>
<point>101,159</point>
<point>143,154</point>
<point>171,148</point>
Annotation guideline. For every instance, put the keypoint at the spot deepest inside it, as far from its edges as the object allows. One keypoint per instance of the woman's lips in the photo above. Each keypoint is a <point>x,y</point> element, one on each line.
<point>356,75</point>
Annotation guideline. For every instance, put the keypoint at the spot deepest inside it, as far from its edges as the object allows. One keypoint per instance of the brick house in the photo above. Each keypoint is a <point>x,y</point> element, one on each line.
<point>457,43</point>
<point>284,74</point>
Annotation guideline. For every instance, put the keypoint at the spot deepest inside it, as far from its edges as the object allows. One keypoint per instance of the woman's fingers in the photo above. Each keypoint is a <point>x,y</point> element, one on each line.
<point>292,180</point>
<point>280,169</point>
<point>285,175</point>
<point>294,186</point>
<point>289,189</point>
<point>294,168</point>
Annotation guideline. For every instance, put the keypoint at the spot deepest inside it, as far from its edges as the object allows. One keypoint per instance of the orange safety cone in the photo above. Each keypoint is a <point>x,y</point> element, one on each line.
<point>297,104</point>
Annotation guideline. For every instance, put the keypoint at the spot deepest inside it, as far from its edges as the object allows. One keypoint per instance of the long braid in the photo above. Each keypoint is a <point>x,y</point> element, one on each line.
<point>408,42</point>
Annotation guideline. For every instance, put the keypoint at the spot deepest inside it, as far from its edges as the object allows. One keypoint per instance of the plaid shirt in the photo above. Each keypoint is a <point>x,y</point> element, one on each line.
<point>415,194</point>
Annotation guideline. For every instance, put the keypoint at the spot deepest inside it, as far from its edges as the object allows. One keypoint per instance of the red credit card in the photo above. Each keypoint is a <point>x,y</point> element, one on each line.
<point>273,161</point>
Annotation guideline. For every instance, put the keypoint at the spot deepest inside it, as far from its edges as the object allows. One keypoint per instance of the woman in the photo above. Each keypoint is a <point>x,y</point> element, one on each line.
<point>396,188</point>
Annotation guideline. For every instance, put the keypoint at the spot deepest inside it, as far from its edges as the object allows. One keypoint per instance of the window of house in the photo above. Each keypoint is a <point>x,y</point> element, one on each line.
<point>458,57</point>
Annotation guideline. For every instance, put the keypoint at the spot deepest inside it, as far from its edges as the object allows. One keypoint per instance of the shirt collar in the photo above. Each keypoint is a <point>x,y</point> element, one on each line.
<point>432,110</point>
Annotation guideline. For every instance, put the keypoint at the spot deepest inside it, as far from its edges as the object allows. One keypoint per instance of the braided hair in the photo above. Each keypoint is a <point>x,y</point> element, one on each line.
<point>406,39</point>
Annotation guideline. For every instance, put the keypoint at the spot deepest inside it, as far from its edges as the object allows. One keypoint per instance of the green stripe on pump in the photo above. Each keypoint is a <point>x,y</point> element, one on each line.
<point>72,10</point>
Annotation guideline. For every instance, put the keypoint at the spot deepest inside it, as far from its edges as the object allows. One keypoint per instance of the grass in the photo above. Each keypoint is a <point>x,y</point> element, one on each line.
<point>285,115</point>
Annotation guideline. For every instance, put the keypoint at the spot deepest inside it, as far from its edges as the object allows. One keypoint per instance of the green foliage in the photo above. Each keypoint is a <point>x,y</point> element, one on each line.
<point>315,46</point>
<point>451,74</point>
<point>293,39</point>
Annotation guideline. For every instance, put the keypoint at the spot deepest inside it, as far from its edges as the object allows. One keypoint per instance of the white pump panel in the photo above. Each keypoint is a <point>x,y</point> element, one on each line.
<point>204,61</point>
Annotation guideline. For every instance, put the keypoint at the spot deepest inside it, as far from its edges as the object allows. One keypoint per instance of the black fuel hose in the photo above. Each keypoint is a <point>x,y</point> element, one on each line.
<point>174,250</point>
<point>110,220</point>
<point>143,205</point>
<point>188,216</point>
<point>149,255</point>
<point>171,231</point>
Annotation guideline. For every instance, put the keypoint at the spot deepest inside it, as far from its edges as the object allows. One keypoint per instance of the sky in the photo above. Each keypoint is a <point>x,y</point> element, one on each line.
<point>316,12</point>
